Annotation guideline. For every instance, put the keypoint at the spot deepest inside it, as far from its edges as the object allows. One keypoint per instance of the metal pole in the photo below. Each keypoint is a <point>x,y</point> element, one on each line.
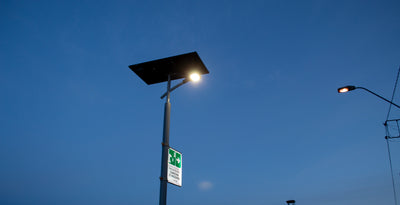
<point>391,171</point>
<point>379,96</point>
<point>165,147</point>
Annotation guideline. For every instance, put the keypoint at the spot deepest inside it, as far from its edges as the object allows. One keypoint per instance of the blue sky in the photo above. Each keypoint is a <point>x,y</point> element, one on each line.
<point>266,125</point>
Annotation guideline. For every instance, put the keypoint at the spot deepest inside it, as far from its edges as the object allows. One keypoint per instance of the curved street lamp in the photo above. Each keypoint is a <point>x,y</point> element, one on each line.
<point>352,87</point>
<point>187,66</point>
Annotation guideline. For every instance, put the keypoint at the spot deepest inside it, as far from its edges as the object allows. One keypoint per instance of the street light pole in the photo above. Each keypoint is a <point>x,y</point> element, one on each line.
<point>165,146</point>
<point>188,66</point>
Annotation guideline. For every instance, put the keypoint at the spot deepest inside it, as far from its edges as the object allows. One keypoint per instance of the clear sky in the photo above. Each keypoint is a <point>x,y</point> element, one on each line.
<point>77,126</point>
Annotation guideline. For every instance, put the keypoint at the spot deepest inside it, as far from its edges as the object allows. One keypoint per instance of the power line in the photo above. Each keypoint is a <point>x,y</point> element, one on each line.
<point>388,137</point>
<point>394,91</point>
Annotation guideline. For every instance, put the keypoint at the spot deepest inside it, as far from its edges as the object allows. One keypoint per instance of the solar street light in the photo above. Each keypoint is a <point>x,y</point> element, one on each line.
<point>187,66</point>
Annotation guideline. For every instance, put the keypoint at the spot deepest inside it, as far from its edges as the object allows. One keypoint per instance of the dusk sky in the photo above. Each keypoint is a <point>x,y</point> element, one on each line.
<point>266,125</point>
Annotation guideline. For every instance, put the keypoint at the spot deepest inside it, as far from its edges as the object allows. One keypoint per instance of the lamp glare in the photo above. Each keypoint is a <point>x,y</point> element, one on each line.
<point>343,90</point>
<point>195,77</point>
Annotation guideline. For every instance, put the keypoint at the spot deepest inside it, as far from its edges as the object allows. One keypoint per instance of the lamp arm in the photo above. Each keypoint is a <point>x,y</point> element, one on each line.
<point>175,87</point>
<point>379,96</point>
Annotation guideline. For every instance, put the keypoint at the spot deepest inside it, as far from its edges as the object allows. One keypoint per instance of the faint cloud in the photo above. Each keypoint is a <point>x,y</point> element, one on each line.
<point>274,76</point>
<point>205,185</point>
<point>250,84</point>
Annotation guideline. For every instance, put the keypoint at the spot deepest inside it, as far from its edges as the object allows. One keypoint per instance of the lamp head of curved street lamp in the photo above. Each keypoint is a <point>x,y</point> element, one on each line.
<point>346,88</point>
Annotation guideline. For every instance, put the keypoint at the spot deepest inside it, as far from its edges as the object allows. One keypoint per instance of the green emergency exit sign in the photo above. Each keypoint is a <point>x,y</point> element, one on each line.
<point>174,167</point>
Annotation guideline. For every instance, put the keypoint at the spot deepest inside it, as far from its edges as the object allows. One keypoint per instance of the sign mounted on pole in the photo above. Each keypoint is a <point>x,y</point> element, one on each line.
<point>174,167</point>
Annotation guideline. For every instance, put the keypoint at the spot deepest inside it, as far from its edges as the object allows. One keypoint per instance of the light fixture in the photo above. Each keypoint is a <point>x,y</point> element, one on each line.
<point>290,202</point>
<point>195,77</point>
<point>346,89</point>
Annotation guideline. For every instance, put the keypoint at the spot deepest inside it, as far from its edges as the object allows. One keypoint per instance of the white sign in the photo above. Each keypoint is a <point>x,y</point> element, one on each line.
<point>174,174</point>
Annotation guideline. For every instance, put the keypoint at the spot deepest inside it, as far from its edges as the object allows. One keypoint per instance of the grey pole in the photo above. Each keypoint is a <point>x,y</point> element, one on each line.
<point>379,96</point>
<point>165,146</point>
